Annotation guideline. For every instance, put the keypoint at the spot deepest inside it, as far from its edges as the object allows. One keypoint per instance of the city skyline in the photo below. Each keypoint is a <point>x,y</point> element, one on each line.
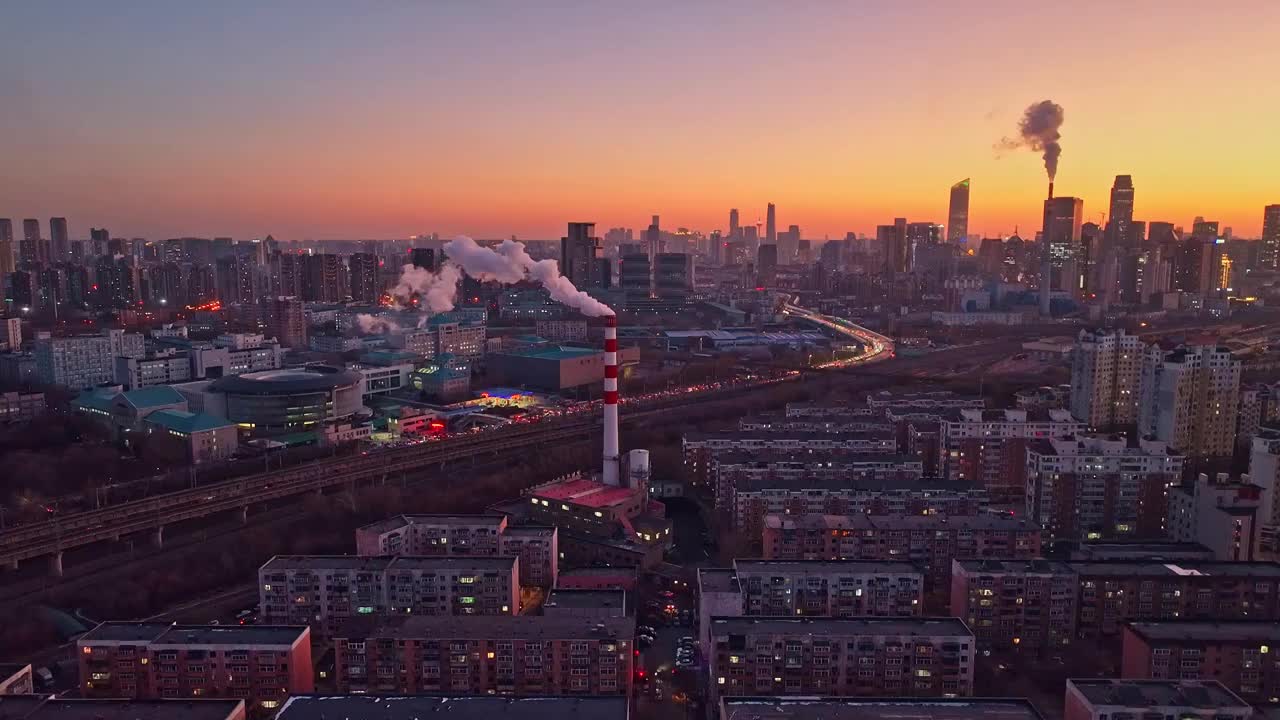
<point>325,124</point>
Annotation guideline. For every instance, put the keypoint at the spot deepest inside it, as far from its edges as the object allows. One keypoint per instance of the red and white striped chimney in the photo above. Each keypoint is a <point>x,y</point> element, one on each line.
<point>611,474</point>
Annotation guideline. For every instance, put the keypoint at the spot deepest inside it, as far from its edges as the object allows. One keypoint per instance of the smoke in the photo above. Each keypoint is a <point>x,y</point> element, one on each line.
<point>1039,131</point>
<point>372,324</point>
<point>509,263</point>
<point>436,291</point>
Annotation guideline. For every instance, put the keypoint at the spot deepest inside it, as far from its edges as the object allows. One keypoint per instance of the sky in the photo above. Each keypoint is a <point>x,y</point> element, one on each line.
<point>315,119</point>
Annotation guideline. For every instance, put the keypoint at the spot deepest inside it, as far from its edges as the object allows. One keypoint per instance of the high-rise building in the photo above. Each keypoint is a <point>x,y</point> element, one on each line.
<point>582,256</point>
<point>1015,605</point>
<point>283,319</point>
<point>771,224</point>
<point>1264,472</point>
<point>99,238</point>
<point>958,212</point>
<point>59,244</point>
<point>1208,228</point>
<point>366,283</point>
<point>734,225</point>
<point>1063,217</point>
<point>1120,214</point>
<point>1189,399</point>
<point>1269,253</point>
<point>920,237</point>
<point>673,275</point>
<point>1105,369</point>
<point>29,250</point>
<point>321,278</point>
<point>892,240</point>
<point>7,260</point>
<point>635,274</point>
<point>424,258</point>
<point>653,238</point>
<point>1161,232</point>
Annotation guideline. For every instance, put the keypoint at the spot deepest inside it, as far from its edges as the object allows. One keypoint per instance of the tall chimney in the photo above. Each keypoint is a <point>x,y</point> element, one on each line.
<point>610,474</point>
<point>1050,189</point>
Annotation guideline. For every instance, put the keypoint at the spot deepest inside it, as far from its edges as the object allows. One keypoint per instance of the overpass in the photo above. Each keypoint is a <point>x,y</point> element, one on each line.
<point>876,346</point>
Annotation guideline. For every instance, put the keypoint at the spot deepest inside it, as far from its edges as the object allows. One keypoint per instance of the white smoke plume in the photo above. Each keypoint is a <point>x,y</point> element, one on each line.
<point>436,291</point>
<point>372,324</point>
<point>509,263</point>
<point>1040,130</point>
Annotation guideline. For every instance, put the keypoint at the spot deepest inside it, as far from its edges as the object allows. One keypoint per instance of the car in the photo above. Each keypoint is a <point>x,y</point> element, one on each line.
<point>645,630</point>
<point>687,640</point>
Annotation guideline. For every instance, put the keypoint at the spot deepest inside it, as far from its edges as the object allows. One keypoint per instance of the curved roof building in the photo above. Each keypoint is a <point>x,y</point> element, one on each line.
<point>279,402</point>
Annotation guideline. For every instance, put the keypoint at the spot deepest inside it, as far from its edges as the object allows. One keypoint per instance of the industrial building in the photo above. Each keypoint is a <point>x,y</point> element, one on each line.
<point>263,664</point>
<point>894,657</point>
<point>554,368</point>
<point>519,655</point>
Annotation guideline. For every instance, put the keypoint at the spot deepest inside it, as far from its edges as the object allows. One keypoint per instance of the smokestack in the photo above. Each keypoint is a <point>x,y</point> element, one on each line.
<point>1050,189</point>
<point>610,474</point>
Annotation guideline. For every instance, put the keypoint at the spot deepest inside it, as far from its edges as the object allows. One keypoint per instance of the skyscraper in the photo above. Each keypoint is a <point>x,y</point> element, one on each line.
<point>1105,368</point>
<point>366,285</point>
<point>892,240</point>
<point>7,262</point>
<point>653,239</point>
<point>733,223</point>
<point>582,256</point>
<point>958,212</point>
<point>1062,219</point>
<point>1160,232</point>
<point>282,319</point>
<point>59,244</point>
<point>1189,399</point>
<point>99,239</point>
<point>771,224</point>
<point>1269,254</point>
<point>1120,213</point>
<point>29,250</point>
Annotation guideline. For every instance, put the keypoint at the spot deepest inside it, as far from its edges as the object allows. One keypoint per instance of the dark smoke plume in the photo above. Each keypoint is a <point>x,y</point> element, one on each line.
<point>1039,130</point>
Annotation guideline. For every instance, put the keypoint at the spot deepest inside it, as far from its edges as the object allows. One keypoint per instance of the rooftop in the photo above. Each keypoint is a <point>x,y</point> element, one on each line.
<point>478,627</point>
<point>1039,567</point>
<point>539,531</point>
<point>934,485</point>
<point>830,626</point>
<point>1141,550</point>
<point>187,422</point>
<point>582,491</point>
<point>121,631</point>
<point>843,708</point>
<point>1180,568</point>
<point>562,598</point>
<point>555,352</point>
<point>284,381</point>
<point>357,707</point>
<point>231,635</point>
<point>326,562</point>
<point>399,521</point>
<point>721,580</point>
<point>1236,631</point>
<point>462,563</point>
<point>154,397</point>
<point>1157,693</point>
<point>41,708</point>
<point>862,521</point>
<point>789,435</point>
<point>823,567</point>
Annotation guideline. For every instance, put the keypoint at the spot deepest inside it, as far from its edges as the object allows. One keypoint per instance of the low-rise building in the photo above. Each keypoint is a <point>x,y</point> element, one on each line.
<point>1104,699</point>
<point>756,499</point>
<point>896,657</point>
<point>515,655</point>
<point>1242,655</point>
<point>263,664</point>
<point>835,708</point>
<point>16,679</point>
<point>158,368</point>
<point>193,438</point>
<point>1027,606</point>
<point>828,588</point>
<point>332,590</point>
<point>1100,486</point>
<point>125,412</point>
<point>727,469</point>
<point>1113,593</point>
<point>584,507</point>
<point>21,407</point>
<point>537,546</point>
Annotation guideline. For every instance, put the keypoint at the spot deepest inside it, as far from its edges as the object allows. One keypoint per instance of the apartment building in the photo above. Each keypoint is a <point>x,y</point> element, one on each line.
<point>332,590</point>
<point>516,655</point>
<point>1027,606</point>
<point>1105,368</point>
<point>884,399</point>
<point>1242,655</point>
<point>454,707</point>
<point>50,707</point>
<point>1190,398</point>
<point>988,447</point>
<point>756,499</point>
<point>1105,699</point>
<point>432,535</point>
<point>1113,593</point>
<point>930,542</point>
<point>21,407</point>
<point>830,588</point>
<point>263,664</point>
<point>1100,486</point>
<point>860,421</point>
<point>728,469</point>
<point>1264,471</point>
<point>834,708</point>
<point>1219,514</point>
<point>538,547</point>
<point>83,361</point>
<point>897,657</point>
<point>701,448</point>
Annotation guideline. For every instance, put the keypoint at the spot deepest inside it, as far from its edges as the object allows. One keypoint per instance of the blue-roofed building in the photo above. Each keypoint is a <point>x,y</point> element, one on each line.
<point>124,412</point>
<point>180,436</point>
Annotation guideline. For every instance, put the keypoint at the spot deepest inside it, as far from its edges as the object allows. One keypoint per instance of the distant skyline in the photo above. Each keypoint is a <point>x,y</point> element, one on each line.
<point>327,120</point>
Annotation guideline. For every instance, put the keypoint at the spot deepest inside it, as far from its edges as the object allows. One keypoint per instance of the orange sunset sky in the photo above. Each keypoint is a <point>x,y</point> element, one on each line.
<point>359,120</point>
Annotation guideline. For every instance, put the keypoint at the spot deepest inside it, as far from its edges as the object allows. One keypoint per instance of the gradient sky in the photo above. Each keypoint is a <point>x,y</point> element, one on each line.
<point>382,119</point>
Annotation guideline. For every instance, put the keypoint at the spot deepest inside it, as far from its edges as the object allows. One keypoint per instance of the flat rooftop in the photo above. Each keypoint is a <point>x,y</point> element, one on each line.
<point>1184,568</point>
<point>1231,631</point>
<point>826,626</point>
<point>1014,567</point>
<point>326,562</point>
<point>125,632</point>
<point>1203,694</point>
<point>373,707</point>
<point>823,567</point>
<point>399,521</point>
<point>380,563</point>
<point>88,709</point>
<point>236,635</point>
<point>785,435</point>
<point>571,598</point>
<point>721,580</point>
<point>1141,550</point>
<point>888,484</point>
<point>522,627</point>
<point>844,708</point>
<point>446,563</point>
